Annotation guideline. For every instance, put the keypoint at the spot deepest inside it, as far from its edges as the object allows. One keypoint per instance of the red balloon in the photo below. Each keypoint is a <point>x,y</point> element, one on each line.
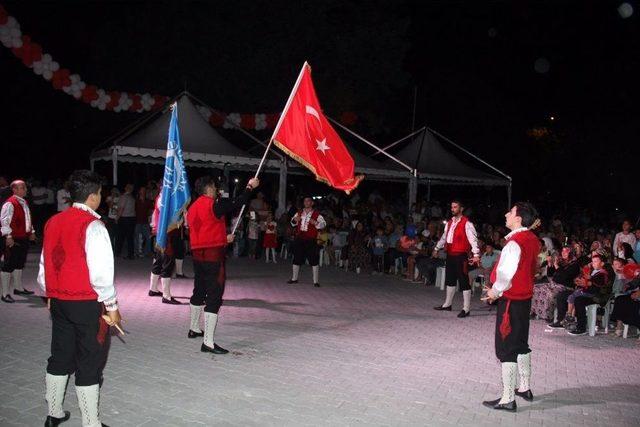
<point>136,105</point>
<point>272,120</point>
<point>248,121</point>
<point>115,99</point>
<point>216,119</point>
<point>89,93</point>
<point>630,271</point>
<point>61,78</point>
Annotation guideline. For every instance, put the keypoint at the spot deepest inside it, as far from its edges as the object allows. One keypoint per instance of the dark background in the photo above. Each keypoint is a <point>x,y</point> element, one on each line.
<point>473,63</point>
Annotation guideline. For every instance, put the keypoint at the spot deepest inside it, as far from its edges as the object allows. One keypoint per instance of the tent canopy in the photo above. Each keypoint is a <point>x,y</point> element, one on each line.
<point>438,165</point>
<point>146,140</point>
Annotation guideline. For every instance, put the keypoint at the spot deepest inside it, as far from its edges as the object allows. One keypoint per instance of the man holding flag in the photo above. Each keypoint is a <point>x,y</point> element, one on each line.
<point>170,208</point>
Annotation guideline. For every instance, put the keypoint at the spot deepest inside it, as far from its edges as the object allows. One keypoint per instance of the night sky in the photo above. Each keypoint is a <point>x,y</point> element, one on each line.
<point>489,75</point>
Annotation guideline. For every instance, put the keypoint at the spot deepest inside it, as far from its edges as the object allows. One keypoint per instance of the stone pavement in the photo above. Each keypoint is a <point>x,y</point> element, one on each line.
<point>360,350</point>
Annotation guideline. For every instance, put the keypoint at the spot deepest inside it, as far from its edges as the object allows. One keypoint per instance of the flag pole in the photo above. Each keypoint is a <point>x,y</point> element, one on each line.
<point>275,132</point>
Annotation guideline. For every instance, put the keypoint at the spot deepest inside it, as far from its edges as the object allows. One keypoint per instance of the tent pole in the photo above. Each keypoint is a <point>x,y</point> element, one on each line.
<point>282,189</point>
<point>413,188</point>
<point>369,143</point>
<point>114,160</point>
<point>428,190</point>
<point>509,189</point>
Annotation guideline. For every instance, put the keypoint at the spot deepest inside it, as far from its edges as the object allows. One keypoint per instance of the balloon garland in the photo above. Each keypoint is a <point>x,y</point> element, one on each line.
<point>32,56</point>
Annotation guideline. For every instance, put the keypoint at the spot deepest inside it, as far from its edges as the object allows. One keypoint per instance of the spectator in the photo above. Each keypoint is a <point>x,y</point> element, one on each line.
<point>126,221</point>
<point>253,233</point>
<point>562,273</point>
<point>63,198</point>
<point>270,241</point>
<point>39,205</point>
<point>636,248</point>
<point>358,255</point>
<point>626,309</point>
<point>112,217</point>
<point>625,236</point>
<point>487,261</point>
<point>142,232</point>
<point>380,245</point>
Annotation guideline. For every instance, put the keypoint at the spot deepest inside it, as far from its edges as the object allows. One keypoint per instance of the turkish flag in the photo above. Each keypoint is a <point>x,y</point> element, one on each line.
<point>305,134</point>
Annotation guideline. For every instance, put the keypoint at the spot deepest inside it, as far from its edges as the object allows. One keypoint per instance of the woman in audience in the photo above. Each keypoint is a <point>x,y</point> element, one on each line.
<point>626,309</point>
<point>562,271</point>
<point>358,254</point>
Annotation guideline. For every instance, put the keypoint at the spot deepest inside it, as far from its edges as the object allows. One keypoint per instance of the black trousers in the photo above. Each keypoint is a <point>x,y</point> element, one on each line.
<point>429,267</point>
<point>208,284</point>
<point>562,304</point>
<point>457,271</point>
<point>163,264</point>
<point>126,231</point>
<point>517,342</point>
<point>79,340</point>
<point>306,249</point>
<point>626,310</point>
<point>16,256</point>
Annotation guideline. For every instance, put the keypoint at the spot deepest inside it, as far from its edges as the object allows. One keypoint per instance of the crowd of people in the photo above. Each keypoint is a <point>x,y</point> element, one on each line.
<point>374,236</point>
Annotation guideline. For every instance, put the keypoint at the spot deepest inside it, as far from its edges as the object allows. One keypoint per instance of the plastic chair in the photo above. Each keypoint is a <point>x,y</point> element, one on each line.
<point>440,277</point>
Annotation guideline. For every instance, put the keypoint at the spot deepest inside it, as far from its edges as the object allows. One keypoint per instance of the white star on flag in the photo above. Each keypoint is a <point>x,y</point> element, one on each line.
<point>322,146</point>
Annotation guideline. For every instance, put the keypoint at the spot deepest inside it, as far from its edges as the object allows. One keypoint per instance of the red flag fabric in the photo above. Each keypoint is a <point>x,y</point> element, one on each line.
<point>305,134</point>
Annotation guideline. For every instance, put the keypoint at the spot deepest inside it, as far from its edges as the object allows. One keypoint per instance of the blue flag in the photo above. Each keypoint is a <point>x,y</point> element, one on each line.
<point>175,195</point>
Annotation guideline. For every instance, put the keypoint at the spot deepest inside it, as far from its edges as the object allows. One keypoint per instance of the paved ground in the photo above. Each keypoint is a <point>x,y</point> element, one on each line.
<point>361,350</point>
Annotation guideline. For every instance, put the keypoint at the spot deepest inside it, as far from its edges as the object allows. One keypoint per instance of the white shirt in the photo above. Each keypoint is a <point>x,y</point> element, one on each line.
<point>624,238</point>
<point>470,231</point>
<point>39,195</point>
<point>508,264</point>
<point>50,197</point>
<point>62,196</point>
<point>6,215</point>
<point>305,218</point>
<point>99,261</point>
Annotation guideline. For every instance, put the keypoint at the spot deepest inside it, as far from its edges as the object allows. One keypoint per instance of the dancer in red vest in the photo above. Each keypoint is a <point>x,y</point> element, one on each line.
<point>307,222</point>
<point>206,219</point>
<point>512,279</point>
<point>164,262</point>
<point>76,274</point>
<point>459,238</point>
<point>17,231</point>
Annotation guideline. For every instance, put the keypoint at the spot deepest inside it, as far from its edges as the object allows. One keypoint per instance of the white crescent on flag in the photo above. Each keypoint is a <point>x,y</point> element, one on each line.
<point>322,144</point>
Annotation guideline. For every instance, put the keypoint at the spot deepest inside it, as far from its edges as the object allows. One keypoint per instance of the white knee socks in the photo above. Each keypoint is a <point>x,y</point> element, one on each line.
<point>179,267</point>
<point>210,322</point>
<point>509,380</point>
<point>316,273</point>
<point>524,371</point>
<point>273,255</point>
<point>466,298</point>
<point>6,283</point>
<point>166,287</point>
<point>17,280</point>
<point>56,386</point>
<point>295,272</point>
<point>451,291</point>
<point>153,286</point>
<point>196,310</point>
<point>88,400</point>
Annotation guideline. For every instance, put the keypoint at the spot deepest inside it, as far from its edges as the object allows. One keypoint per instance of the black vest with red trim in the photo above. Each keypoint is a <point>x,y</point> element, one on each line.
<point>65,260</point>
<point>205,229</point>
<point>311,233</point>
<point>460,244</point>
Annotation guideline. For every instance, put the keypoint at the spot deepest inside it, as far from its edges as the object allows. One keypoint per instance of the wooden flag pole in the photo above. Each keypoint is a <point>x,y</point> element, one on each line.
<point>275,131</point>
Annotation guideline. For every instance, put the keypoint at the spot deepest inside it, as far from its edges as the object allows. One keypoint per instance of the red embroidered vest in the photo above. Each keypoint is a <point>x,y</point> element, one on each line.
<point>205,229</point>
<point>522,282</point>
<point>65,260</point>
<point>312,232</point>
<point>460,243</point>
<point>18,220</point>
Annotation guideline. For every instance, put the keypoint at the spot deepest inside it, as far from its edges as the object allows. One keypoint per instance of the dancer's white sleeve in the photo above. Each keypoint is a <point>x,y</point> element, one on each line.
<point>100,264</point>
<point>507,266</point>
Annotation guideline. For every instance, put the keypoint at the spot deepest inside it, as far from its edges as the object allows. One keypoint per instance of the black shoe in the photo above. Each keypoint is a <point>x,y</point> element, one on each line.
<point>171,301</point>
<point>317,285</point>
<point>463,314</point>
<point>155,293</point>
<point>193,334</point>
<point>291,281</point>
<point>526,395</point>
<point>182,276</point>
<point>556,325</point>
<point>22,292</point>
<point>215,350</point>
<point>8,298</point>
<point>53,421</point>
<point>441,308</point>
<point>495,404</point>
<point>577,332</point>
